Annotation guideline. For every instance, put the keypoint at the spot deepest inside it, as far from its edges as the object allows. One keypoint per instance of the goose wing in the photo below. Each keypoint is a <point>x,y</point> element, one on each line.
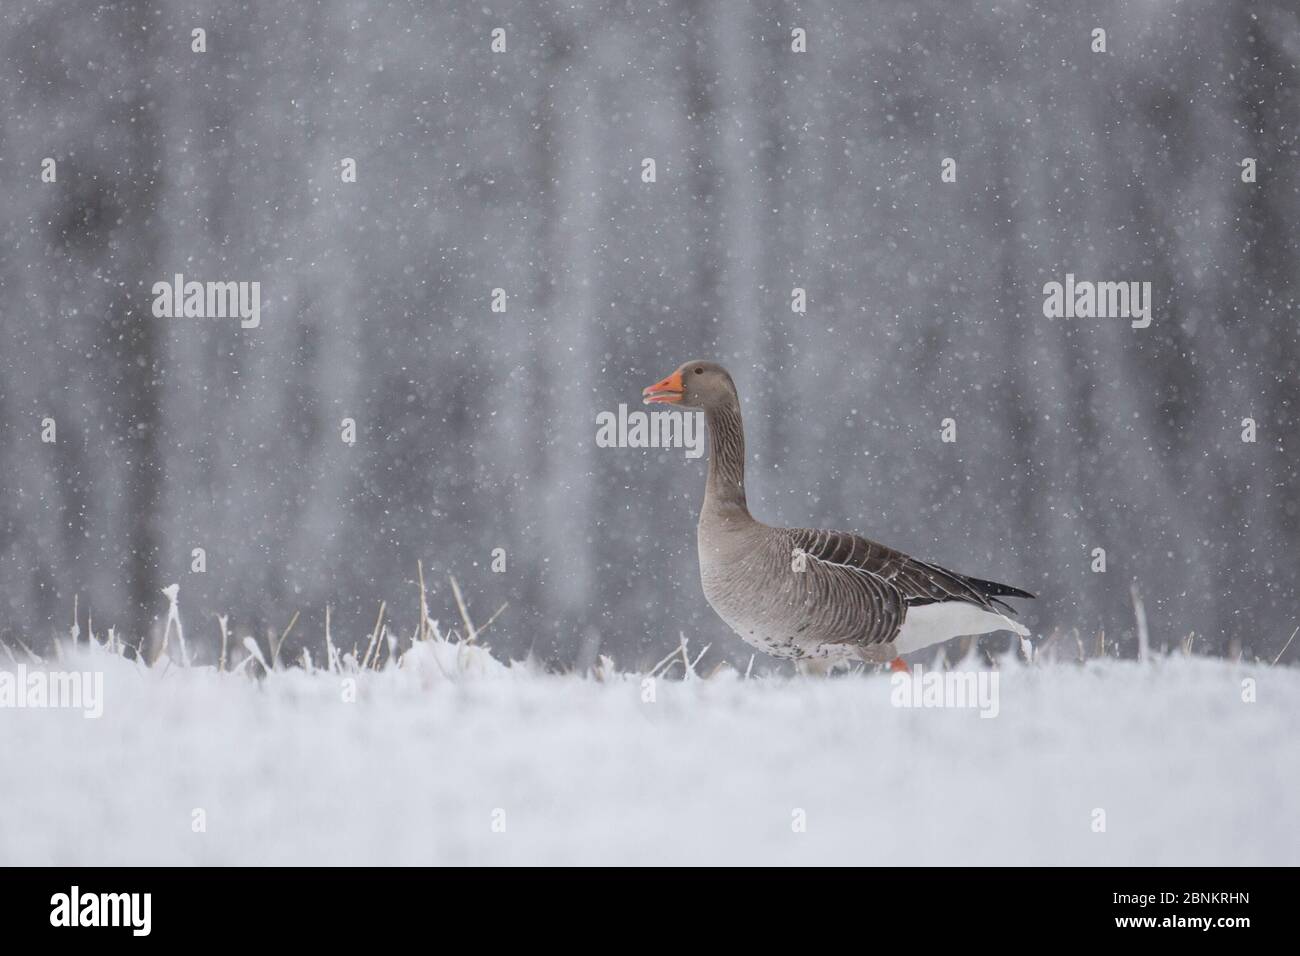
<point>872,586</point>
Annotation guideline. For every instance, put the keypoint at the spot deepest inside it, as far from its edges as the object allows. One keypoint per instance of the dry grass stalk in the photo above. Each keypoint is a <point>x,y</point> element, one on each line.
<point>275,651</point>
<point>374,635</point>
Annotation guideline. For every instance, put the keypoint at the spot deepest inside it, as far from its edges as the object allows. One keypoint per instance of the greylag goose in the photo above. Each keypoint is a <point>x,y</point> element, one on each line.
<point>817,597</point>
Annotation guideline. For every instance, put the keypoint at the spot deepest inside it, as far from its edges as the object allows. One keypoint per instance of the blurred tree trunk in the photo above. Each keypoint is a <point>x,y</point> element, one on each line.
<point>132,337</point>
<point>1266,494</point>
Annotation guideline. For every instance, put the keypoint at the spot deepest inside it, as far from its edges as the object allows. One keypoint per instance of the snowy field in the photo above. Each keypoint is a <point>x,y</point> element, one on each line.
<point>434,759</point>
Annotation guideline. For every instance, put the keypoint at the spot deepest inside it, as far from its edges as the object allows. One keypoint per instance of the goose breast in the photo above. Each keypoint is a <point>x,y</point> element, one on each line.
<point>790,604</point>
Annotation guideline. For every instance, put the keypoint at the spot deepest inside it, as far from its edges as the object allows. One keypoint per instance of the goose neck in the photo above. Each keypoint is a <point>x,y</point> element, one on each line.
<point>725,490</point>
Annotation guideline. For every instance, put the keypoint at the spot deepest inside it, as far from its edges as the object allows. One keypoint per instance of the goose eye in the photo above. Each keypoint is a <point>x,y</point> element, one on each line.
<point>699,371</point>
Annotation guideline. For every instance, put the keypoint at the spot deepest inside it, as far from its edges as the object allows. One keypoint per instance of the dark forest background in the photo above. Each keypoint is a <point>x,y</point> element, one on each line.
<point>522,170</point>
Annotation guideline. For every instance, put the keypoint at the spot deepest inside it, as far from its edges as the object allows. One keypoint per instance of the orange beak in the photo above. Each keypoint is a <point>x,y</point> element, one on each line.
<point>667,392</point>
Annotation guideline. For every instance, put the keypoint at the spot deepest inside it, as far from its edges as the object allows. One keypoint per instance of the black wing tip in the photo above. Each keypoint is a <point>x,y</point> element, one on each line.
<point>1003,606</point>
<point>992,589</point>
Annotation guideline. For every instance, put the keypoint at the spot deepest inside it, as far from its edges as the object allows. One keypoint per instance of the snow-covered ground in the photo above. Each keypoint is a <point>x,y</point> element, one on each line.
<point>456,759</point>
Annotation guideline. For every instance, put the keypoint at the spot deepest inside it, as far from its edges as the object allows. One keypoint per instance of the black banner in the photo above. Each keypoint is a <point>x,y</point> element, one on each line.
<point>362,906</point>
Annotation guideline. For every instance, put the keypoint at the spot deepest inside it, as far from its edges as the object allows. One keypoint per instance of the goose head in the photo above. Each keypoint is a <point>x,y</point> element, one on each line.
<point>696,384</point>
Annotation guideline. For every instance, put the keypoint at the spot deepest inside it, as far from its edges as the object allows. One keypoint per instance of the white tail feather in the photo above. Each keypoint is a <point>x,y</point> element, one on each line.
<point>929,624</point>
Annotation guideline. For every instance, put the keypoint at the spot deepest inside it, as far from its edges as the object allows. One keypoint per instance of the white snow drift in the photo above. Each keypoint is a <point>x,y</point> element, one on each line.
<point>455,758</point>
